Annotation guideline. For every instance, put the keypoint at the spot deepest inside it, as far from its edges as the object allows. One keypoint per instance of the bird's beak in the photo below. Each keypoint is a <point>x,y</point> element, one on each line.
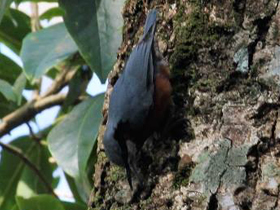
<point>128,174</point>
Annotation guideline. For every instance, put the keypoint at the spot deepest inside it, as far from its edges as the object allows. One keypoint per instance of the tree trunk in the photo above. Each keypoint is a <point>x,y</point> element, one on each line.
<point>224,60</point>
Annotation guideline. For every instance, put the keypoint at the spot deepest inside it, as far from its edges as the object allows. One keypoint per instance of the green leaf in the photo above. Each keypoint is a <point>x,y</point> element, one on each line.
<point>13,28</point>
<point>21,1</point>
<point>72,140</point>
<point>40,202</point>
<point>51,13</point>
<point>74,206</point>
<point>46,48</point>
<point>95,26</point>
<point>11,168</point>
<point>73,187</point>
<point>29,184</point>
<point>55,182</point>
<point>91,163</point>
<point>52,73</point>
<point>6,106</point>
<point>77,85</point>
<point>9,70</point>
<point>7,90</point>
<point>4,4</point>
<point>15,72</point>
<point>15,207</point>
<point>19,86</point>
<point>16,177</point>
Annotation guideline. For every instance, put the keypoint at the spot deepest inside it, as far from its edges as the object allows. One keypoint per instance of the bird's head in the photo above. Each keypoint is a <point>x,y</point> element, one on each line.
<point>112,147</point>
<point>116,151</point>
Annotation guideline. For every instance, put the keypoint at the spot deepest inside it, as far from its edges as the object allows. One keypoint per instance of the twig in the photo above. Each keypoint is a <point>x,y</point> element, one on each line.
<point>36,92</point>
<point>61,80</point>
<point>17,152</point>
<point>29,111</point>
<point>35,26</point>
<point>35,21</point>
<point>32,134</point>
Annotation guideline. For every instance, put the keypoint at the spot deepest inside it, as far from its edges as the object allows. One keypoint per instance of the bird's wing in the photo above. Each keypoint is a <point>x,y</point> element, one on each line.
<point>150,21</point>
<point>132,97</point>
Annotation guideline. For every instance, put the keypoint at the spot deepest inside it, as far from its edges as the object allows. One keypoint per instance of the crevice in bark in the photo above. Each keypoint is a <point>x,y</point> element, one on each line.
<point>231,81</point>
<point>246,206</point>
<point>213,202</point>
<point>245,203</point>
<point>252,174</point>
<point>268,193</point>
<point>273,129</point>
<point>268,144</point>
<point>265,191</point>
<point>263,25</point>
<point>239,7</point>
<point>264,146</point>
<point>278,196</point>
<point>264,109</point>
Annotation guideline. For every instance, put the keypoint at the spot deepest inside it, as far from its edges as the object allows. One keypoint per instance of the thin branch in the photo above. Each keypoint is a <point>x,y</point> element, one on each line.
<point>35,26</point>
<point>35,21</point>
<point>61,80</point>
<point>32,134</point>
<point>32,108</point>
<point>17,152</point>
<point>29,111</point>
<point>36,92</point>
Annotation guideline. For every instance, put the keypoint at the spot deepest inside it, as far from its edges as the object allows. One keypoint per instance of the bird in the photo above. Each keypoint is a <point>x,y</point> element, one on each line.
<point>139,102</point>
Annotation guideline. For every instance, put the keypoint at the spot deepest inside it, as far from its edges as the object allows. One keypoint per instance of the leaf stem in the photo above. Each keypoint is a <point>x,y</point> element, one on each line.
<point>17,152</point>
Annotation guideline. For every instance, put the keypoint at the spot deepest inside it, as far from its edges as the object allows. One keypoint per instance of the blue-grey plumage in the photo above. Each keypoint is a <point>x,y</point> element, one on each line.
<point>132,98</point>
<point>133,93</point>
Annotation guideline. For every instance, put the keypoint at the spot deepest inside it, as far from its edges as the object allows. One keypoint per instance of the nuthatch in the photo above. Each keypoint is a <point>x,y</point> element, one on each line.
<point>139,102</point>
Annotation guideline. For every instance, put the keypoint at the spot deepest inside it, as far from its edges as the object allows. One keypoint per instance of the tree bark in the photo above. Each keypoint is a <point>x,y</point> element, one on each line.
<point>224,59</point>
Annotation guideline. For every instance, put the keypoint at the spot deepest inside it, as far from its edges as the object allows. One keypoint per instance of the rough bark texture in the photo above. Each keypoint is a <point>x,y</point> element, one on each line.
<point>224,59</point>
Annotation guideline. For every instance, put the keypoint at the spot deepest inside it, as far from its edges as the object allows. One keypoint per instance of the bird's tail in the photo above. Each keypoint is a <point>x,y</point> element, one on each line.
<point>150,21</point>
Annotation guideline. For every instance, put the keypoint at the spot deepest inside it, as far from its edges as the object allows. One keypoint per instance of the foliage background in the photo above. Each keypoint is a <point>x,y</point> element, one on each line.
<point>67,53</point>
